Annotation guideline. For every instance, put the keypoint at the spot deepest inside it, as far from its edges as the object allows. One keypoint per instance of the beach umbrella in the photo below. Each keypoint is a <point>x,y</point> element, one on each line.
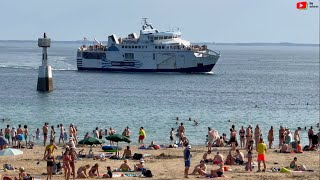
<point>10,152</point>
<point>118,138</point>
<point>91,141</point>
<point>3,141</point>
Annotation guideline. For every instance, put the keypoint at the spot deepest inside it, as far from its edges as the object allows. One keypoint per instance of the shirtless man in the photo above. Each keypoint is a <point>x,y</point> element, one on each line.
<point>270,137</point>
<point>125,166</point>
<point>45,133</point>
<point>281,136</point>
<point>257,134</point>
<point>218,158</point>
<point>297,134</point>
<point>242,133</point>
<point>7,133</point>
<point>181,131</point>
<point>248,135</point>
<point>19,130</point>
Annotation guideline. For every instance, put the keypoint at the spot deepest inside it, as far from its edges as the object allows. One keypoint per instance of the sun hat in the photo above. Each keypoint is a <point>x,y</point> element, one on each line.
<point>21,169</point>
<point>141,160</point>
<point>189,146</point>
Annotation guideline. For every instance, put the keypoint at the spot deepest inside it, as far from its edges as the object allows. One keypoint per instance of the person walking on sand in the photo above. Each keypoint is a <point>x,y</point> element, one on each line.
<point>270,137</point>
<point>50,162</point>
<point>142,135</point>
<point>187,160</point>
<point>45,133</point>
<point>242,133</point>
<point>261,149</point>
<point>250,155</point>
<point>66,163</point>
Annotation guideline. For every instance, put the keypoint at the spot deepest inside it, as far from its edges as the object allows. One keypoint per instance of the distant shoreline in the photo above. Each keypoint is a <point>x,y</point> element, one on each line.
<point>207,43</point>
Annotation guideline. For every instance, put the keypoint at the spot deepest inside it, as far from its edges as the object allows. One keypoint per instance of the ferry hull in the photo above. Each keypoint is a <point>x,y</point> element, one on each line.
<point>200,69</point>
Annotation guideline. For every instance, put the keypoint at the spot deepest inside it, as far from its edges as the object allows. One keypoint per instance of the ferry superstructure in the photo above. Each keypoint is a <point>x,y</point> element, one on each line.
<point>151,51</point>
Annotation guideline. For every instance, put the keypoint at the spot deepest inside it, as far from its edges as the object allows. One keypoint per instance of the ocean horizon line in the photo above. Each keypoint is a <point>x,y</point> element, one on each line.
<point>211,43</point>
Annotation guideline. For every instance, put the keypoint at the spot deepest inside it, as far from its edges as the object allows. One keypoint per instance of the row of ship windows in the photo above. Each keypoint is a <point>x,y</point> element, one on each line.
<point>163,37</point>
<point>134,47</point>
<point>156,47</point>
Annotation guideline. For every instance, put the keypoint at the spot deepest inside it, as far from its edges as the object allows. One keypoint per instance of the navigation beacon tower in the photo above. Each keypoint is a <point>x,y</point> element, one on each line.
<point>44,74</point>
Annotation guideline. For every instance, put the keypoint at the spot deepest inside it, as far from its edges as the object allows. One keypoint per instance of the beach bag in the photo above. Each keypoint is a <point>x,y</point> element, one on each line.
<point>137,156</point>
<point>148,173</point>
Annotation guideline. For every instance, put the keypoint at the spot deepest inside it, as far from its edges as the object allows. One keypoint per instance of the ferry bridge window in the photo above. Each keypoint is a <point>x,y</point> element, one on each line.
<point>166,37</point>
<point>135,47</point>
<point>170,37</point>
<point>146,46</point>
<point>139,46</point>
<point>162,47</point>
<point>122,46</point>
<point>93,55</point>
<point>160,37</point>
<point>156,38</point>
<point>126,46</point>
<point>156,47</point>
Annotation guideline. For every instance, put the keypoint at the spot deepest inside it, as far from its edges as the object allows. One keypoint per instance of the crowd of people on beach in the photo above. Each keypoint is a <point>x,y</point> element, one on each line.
<point>250,140</point>
<point>244,144</point>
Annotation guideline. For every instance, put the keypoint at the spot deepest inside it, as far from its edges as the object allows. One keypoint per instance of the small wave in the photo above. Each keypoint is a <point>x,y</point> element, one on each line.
<point>64,69</point>
<point>35,68</point>
<point>17,67</point>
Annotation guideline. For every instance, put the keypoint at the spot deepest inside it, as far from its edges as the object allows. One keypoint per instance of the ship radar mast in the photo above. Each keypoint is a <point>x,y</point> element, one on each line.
<point>146,24</point>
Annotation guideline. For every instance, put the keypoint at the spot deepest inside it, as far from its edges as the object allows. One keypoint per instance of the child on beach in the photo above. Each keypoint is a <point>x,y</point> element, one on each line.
<point>38,134</point>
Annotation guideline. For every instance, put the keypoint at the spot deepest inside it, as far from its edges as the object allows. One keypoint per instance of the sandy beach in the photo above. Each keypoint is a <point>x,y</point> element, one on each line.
<point>168,163</point>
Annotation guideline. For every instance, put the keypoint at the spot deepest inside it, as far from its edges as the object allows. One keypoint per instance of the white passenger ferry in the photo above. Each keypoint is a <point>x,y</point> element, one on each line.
<point>151,51</point>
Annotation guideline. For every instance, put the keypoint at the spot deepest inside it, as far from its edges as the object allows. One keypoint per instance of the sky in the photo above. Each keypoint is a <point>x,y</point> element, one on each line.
<point>245,21</point>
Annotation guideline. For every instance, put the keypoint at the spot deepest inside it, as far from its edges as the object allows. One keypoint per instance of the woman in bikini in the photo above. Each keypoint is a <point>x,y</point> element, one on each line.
<point>50,162</point>
<point>242,133</point>
<point>250,155</point>
<point>73,156</point>
<point>218,172</point>
<point>94,171</point>
<point>66,163</point>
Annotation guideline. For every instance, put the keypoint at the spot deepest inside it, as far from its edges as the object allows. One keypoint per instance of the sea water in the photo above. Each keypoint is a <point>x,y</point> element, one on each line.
<point>266,85</point>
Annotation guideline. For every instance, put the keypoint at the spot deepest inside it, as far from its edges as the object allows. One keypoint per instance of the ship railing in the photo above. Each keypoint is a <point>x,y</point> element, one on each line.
<point>93,48</point>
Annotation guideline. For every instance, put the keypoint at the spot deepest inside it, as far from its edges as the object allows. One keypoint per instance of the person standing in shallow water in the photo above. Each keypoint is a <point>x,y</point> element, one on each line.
<point>45,133</point>
<point>270,137</point>
<point>248,135</point>
<point>242,133</point>
<point>142,135</point>
<point>257,134</point>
